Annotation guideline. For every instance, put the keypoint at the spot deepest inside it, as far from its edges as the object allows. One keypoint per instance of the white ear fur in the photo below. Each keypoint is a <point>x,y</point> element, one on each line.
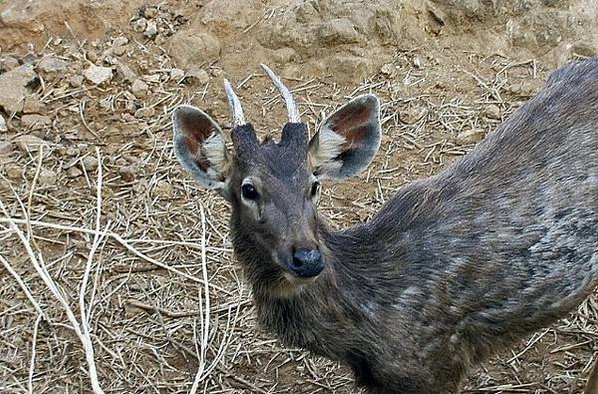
<point>200,148</point>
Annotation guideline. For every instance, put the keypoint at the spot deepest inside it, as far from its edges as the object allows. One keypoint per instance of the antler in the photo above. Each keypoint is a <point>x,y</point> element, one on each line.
<point>286,94</point>
<point>235,105</point>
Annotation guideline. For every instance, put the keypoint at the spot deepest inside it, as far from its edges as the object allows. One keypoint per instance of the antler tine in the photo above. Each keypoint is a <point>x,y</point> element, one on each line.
<point>286,94</point>
<point>235,104</point>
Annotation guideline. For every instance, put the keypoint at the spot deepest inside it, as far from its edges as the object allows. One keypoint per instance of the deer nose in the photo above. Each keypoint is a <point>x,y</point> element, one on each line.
<point>307,263</point>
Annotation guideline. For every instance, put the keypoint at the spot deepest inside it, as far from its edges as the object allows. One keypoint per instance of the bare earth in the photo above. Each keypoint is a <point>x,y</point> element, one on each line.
<point>89,85</point>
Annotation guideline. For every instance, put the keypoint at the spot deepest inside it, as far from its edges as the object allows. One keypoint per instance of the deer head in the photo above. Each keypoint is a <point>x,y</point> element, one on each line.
<point>273,188</point>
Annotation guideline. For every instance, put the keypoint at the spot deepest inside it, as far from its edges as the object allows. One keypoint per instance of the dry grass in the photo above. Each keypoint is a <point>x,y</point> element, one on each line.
<point>144,288</point>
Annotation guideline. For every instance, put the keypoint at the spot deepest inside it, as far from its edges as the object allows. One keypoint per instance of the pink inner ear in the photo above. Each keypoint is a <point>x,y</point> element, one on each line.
<point>197,128</point>
<point>352,124</point>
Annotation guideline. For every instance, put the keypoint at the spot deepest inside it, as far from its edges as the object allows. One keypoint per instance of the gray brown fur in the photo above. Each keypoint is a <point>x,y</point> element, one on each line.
<point>452,269</point>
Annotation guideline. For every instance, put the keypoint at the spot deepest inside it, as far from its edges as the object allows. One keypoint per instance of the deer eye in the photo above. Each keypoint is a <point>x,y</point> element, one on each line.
<point>249,192</point>
<point>315,189</point>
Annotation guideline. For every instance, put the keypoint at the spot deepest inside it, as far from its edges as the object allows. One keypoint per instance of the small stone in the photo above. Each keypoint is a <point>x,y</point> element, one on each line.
<point>469,137</point>
<point>125,72</point>
<point>145,113</point>
<point>10,63</point>
<point>51,64</point>
<point>47,177</point>
<point>417,62</point>
<point>139,25</point>
<point>74,172</point>
<point>163,189</point>
<point>33,105</point>
<point>151,29</point>
<point>387,69</point>
<point>76,81</point>
<point>120,41</point>
<point>98,75</point>
<point>139,88</point>
<point>177,74</point>
<point>90,163</point>
<point>30,143</point>
<point>3,126</point>
<point>284,55</point>
<point>6,148</point>
<point>150,12</point>
<point>14,172</point>
<point>188,48</point>
<point>119,51</point>
<point>92,56</point>
<point>128,173</point>
<point>492,112</point>
<point>198,75</point>
<point>13,85</point>
<point>413,114</point>
<point>215,72</point>
<point>35,121</point>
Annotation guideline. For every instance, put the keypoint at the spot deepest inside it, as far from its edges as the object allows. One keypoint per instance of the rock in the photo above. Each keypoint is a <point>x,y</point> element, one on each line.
<point>150,12</point>
<point>5,148</point>
<point>125,72</point>
<point>90,163</point>
<point>188,48</point>
<point>413,114</point>
<point>145,113</point>
<point>163,189</point>
<point>30,143</point>
<point>128,173</point>
<point>139,25</point>
<point>119,51</point>
<point>151,29</point>
<point>284,55</point>
<point>73,172</point>
<point>120,41</point>
<point>469,137</point>
<point>387,69</point>
<point>10,63</point>
<point>36,121</point>
<point>76,81</point>
<point>177,74</point>
<point>98,75</point>
<point>198,75</point>
<point>13,87</point>
<point>139,88</point>
<point>14,172</point>
<point>51,64</point>
<point>47,177</point>
<point>33,105</point>
<point>3,126</point>
<point>492,112</point>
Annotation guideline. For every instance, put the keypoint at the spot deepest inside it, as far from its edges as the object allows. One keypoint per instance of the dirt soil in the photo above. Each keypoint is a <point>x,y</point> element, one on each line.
<point>88,176</point>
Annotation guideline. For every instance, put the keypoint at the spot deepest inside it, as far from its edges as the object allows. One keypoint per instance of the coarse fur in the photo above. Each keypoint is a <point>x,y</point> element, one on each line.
<point>454,267</point>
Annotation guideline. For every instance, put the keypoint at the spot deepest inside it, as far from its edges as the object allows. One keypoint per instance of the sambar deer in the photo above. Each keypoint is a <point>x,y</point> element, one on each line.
<point>452,269</point>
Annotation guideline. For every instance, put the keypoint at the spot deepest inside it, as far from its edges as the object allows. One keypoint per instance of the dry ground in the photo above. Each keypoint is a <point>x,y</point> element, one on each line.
<point>105,204</point>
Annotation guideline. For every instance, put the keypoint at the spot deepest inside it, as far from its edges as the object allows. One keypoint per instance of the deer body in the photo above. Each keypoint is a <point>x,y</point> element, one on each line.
<point>454,267</point>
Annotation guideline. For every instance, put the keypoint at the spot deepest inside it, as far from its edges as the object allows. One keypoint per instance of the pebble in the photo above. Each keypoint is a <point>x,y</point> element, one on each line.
<point>90,163</point>
<point>125,72</point>
<point>74,172</point>
<point>51,64</point>
<point>139,88</point>
<point>120,41</point>
<point>145,113</point>
<point>177,74</point>
<point>98,75</point>
<point>469,137</point>
<point>30,143</point>
<point>139,25</point>
<point>76,81</point>
<point>387,69</point>
<point>128,173</point>
<point>13,172</point>
<point>47,177</point>
<point>35,121</point>
<point>10,63</point>
<point>151,30</point>
<point>5,148</point>
<point>198,75</point>
<point>33,105</point>
<point>13,85</point>
<point>492,112</point>
<point>3,126</point>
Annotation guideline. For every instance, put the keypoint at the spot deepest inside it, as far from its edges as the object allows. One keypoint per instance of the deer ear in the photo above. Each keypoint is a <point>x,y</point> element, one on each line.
<point>347,140</point>
<point>199,145</point>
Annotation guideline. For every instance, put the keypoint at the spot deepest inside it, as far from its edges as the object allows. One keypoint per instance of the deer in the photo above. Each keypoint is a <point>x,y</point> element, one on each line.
<point>451,270</point>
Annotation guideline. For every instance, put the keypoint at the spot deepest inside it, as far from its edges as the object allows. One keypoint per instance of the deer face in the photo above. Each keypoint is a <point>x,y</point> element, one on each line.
<point>273,188</point>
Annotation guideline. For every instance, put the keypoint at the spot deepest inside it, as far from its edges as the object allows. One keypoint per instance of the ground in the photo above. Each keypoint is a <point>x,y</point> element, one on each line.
<point>86,91</point>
